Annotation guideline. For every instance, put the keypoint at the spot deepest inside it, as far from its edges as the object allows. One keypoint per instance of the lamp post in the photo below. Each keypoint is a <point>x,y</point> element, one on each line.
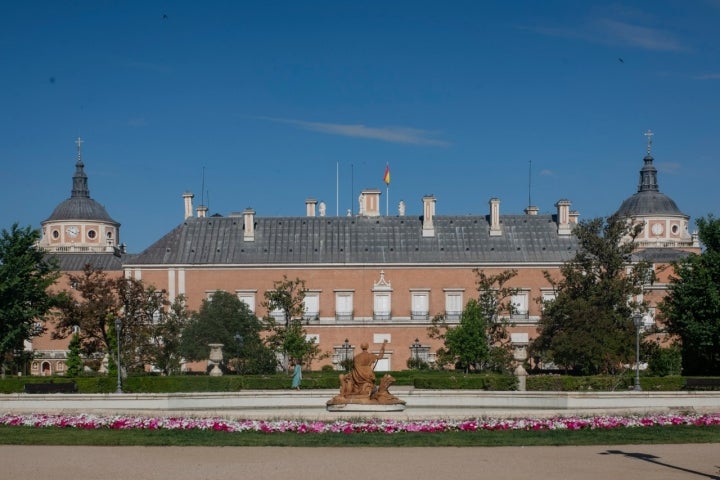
<point>118,325</point>
<point>638,321</point>
<point>416,348</point>
<point>346,349</point>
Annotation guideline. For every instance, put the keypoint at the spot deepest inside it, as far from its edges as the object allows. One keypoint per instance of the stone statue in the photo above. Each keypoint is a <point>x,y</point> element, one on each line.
<point>323,209</point>
<point>358,386</point>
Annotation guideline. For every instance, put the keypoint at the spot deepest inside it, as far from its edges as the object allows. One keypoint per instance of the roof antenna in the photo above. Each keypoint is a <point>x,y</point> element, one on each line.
<point>202,190</point>
<point>529,183</point>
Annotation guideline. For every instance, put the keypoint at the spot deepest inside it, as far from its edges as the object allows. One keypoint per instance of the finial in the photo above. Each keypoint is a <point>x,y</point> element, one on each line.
<point>649,136</point>
<point>79,143</point>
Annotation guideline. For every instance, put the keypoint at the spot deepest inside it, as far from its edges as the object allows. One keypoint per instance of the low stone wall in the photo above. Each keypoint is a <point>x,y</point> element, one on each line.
<point>311,404</point>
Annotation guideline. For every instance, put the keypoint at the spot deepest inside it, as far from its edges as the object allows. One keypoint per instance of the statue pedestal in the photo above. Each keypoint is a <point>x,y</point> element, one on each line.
<point>359,407</point>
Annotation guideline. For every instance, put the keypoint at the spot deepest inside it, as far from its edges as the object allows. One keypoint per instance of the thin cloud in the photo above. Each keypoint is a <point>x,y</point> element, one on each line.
<point>547,173</point>
<point>137,122</point>
<point>707,76</point>
<point>668,167</point>
<point>637,36</point>
<point>613,32</point>
<point>148,66</point>
<point>411,136</point>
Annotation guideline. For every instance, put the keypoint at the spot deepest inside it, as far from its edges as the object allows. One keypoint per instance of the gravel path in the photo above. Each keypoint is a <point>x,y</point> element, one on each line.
<point>658,462</point>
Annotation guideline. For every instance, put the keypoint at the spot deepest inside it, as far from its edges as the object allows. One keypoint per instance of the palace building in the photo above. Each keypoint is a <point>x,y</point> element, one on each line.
<point>369,277</point>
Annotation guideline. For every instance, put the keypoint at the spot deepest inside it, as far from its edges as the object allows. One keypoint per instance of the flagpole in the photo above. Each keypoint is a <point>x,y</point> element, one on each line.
<point>337,188</point>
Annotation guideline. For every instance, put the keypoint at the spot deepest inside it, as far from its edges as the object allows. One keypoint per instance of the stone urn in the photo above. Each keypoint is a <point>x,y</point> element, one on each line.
<point>216,356</point>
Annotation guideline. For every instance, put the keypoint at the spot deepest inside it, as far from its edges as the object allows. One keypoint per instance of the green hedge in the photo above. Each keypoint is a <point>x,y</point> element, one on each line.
<point>466,382</point>
<point>566,383</point>
<point>435,380</point>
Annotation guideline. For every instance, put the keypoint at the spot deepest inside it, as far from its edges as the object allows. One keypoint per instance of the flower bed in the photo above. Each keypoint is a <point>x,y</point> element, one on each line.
<point>341,426</point>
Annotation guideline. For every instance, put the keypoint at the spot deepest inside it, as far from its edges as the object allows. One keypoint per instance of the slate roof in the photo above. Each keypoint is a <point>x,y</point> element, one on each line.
<point>75,262</point>
<point>360,240</point>
<point>660,255</point>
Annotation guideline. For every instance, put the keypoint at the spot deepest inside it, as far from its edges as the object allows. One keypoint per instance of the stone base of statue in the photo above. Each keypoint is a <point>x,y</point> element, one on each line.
<point>379,399</point>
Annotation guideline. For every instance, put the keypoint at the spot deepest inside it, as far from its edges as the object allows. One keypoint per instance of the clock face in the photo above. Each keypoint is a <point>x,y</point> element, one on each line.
<point>657,229</point>
<point>72,231</point>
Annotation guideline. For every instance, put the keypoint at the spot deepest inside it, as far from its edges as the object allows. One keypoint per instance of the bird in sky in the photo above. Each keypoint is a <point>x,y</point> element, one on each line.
<point>621,60</point>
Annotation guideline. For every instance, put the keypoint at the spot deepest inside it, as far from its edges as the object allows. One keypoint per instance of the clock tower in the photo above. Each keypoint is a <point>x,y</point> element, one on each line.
<point>80,224</point>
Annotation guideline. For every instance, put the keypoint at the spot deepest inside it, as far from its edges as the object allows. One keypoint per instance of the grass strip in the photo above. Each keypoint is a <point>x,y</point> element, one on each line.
<point>135,437</point>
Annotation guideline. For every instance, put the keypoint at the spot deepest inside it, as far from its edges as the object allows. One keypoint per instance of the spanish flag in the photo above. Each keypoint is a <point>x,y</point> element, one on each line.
<point>386,177</point>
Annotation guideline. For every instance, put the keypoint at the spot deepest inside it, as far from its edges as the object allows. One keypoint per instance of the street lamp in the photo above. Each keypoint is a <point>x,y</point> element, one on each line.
<point>346,348</point>
<point>638,321</point>
<point>416,348</point>
<point>118,325</point>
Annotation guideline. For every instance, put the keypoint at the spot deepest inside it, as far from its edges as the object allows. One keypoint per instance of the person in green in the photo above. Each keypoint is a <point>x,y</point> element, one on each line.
<point>297,375</point>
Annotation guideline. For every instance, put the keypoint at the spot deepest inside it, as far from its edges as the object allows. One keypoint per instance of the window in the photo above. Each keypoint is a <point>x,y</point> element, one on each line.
<point>381,306</point>
<point>547,297</point>
<point>312,305</point>
<point>278,314</point>
<point>420,304</point>
<point>520,304</point>
<point>382,300</point>
<point>248,298</point>
<point>343,305</point>
<point>91,234</point>
<point>453,304</point>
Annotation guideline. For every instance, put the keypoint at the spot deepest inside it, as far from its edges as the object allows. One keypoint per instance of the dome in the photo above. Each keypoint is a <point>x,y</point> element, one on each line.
<point>648,200</point>
<point>648,203</point>
<point>80,208</point>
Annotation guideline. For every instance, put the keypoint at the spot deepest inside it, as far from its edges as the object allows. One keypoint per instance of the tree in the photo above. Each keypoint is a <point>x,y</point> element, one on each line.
<point>227,320</point>
<point>289,337</point>
<point>588,327</point>
<point>94,305</point>
<point>74,361</point>
<point>26,274</point>
<point>163,349</point>
<point>479,342</point>
<point>691,310</point>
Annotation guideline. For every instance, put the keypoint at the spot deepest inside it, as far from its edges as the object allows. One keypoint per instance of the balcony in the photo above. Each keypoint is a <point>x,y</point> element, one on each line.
<point>419,315</point>
<point>382,316</point>
<point>344,316</point>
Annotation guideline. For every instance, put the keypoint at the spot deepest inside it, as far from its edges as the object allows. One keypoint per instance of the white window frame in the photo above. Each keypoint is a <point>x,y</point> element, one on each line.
<point>311,305</point>
<point>344,307</point>
<point>454,303</point>
<point>248,298</point>
<point>420,303</point>
<point>521,303</point>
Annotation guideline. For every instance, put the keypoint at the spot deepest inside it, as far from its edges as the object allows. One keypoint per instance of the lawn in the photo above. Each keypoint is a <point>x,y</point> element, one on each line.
<point>168,431</point>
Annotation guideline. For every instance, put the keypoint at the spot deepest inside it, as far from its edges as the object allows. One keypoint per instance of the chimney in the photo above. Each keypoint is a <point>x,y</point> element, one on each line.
<point>249,225</point>
<point>187,197</point>
<point>370,202</point>
<point>428,228</point>
<point>574,215</point>
<point>202,211</point>
<point>532,210</point>
<point>495,217</point>
<point>310,207</point>
<point>563,217</point>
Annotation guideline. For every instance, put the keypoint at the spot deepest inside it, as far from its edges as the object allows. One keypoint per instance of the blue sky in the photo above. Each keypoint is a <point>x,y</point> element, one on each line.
<point>269,100</point>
